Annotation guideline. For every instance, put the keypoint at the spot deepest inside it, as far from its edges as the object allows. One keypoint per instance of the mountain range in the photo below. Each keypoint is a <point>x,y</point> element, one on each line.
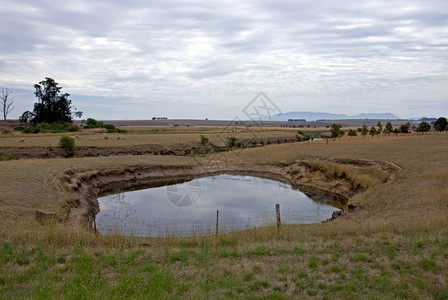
<point>313,116</point>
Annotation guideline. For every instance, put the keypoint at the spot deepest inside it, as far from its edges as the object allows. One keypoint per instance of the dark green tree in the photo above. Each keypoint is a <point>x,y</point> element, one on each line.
<point>52,106</point>
<point>389,128</point>
<point>380,128</point>
<point>404,128</point>
<point>335,131</point>
<point>423,127</point>
<point>364,130</point>
<point>352,132</point>
<point>372,131</point>
<point>441,124</point>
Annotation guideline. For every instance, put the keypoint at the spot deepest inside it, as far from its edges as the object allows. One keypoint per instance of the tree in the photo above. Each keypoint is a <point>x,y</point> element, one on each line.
<point>52,106</point>
<point>441,124</point>
<point>335,131</point>
<point>423,127</point>
<point>372,131</point>
<point>364,130</point>
<point>352,132</point>
<point>380,128</point>
<point>389,128</point>
<point>6,102</point>
<point>404,128</point>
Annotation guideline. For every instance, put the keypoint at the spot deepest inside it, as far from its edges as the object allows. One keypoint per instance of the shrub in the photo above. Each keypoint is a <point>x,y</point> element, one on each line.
<point>352,132</point>
<point>68,145</point>
<point>204,140</point>
<point>7,157</point>
<point>19,128</point>
<point>118,130</point>
<point>109,127</point>
<point>232,141</point>
<point>59,126</point>
<point>30,130</point>
<point>74,128</point>
<point>92,123</point>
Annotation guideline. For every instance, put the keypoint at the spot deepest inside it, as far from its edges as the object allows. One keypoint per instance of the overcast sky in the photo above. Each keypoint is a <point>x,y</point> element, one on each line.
<point>136,59</point>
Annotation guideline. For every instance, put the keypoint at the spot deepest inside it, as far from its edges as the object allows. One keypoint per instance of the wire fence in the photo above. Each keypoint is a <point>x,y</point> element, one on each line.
<point>221,221</point>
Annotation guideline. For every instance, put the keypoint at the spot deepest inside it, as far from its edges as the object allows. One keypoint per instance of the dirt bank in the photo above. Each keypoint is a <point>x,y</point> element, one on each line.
<point>317,183</point>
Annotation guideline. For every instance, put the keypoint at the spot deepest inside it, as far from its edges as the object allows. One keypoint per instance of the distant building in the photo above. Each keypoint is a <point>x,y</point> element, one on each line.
<point>296,120</point>
<point>159,118</point>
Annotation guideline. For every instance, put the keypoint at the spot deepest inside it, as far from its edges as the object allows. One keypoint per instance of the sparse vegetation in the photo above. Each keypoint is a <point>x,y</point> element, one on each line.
<point>204,140</point>
<point>232,141</point>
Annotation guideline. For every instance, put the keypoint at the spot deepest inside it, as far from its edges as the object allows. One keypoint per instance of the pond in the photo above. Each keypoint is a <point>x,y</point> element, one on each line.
<point>199,206</point>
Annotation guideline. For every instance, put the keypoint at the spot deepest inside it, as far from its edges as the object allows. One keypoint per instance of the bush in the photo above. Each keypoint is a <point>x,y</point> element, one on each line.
<point>118,130</point>
<point>109,127</point>
<point>7,157</point>
<point>352,132</point>
<point>232,141</point>
<point>56,127</point>
<point>19,128</point>
<point>204,140</point>
<point>68,145</point>
<point>73,128</point>
<point>92,123</point>
<point>30,130</point>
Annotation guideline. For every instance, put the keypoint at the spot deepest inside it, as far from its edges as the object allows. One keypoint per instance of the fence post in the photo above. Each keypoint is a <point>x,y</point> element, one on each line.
<point>277,211</point>
<point>94,226</point>
<point>217,217</point>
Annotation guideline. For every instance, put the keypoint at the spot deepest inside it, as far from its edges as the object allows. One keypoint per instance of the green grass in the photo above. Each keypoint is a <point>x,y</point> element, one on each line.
<point>136,271</point>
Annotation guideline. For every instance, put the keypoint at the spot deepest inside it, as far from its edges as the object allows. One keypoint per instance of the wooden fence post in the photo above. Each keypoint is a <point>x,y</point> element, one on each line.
<point>277,211</point>
<point>217,217</point>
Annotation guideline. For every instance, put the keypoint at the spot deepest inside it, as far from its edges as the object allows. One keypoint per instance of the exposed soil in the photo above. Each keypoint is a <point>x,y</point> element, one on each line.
<point>89,184</point>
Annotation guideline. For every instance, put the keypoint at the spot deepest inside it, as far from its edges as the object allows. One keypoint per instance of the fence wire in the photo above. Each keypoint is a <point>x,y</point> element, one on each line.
<point>127,223</point>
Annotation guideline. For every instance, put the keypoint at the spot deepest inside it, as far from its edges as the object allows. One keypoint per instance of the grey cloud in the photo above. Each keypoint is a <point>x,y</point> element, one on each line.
<point>165,50</point>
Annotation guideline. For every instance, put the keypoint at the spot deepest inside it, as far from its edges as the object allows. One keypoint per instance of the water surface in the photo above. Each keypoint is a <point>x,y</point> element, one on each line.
<point>190,208</point>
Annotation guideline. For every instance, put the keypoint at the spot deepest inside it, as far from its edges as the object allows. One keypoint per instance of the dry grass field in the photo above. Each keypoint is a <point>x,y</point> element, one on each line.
<point>145,135</point>
<point>394,245</point>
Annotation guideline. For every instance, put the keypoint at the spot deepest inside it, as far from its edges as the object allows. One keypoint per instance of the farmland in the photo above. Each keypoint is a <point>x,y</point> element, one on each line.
<point>393,245</point>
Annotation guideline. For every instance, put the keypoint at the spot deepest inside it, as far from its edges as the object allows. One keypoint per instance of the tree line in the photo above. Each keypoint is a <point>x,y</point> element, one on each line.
<point>441,124</point>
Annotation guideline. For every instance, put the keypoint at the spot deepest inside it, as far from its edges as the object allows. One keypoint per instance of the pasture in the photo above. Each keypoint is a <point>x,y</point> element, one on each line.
<point>393,245</point>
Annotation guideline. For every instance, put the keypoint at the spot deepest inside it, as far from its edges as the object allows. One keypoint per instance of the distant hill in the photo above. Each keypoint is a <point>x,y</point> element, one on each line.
<point>313,116</point>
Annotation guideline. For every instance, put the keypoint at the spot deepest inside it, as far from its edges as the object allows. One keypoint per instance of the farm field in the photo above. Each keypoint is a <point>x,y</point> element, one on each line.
<point>394,244</point>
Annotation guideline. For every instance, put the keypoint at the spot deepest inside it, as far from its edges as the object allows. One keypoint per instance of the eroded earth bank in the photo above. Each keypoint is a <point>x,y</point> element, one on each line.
<point>332,181</point>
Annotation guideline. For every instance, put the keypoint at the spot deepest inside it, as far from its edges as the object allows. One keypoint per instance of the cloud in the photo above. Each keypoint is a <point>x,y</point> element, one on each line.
<point>371,56</point>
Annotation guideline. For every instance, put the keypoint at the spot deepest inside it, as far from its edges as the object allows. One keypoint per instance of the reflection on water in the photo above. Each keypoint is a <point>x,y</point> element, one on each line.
<point>191,208</point>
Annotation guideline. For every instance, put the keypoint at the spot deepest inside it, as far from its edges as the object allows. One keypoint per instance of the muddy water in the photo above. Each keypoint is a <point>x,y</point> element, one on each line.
<point>193,207</point>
